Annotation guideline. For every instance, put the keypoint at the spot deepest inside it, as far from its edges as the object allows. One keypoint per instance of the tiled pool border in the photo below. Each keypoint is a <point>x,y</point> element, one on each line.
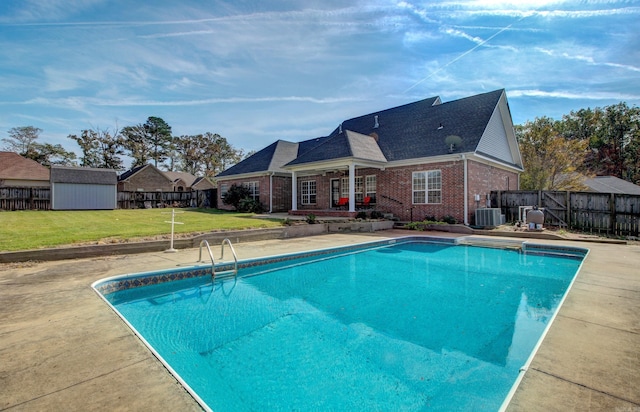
<point>123,282</point>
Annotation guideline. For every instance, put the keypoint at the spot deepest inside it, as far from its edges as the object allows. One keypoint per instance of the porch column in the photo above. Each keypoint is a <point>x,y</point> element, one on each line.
<point>294,191</point>
<point>352,187</point>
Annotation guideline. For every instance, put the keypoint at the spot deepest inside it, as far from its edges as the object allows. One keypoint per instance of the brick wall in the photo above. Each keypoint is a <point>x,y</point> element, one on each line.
<point>148,180</point>
<point>281,192</point>
<point>482,180</point>
<point>394,190</point>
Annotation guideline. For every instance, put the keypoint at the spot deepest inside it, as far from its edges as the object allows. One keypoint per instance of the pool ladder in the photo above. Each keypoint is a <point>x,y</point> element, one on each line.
<point>213,263</point>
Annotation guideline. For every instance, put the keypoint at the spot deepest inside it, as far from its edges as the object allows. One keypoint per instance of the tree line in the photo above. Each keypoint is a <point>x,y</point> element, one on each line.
<point>151,142</point>
<point>558,154</point>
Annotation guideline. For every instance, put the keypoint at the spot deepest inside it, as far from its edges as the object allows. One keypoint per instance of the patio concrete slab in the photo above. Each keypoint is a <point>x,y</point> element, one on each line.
<point>62,348</point>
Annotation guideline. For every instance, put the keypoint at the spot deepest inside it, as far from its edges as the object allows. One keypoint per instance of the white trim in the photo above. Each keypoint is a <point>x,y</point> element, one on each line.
<point>294,191</point>
<point>352,187</point>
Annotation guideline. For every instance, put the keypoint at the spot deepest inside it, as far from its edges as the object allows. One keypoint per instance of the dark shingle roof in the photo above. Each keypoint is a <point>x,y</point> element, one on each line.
<point>83,175</point>
<point>410,131</point>
<point>258,162</point>
<point>130,173</point>
<point>413,130</point>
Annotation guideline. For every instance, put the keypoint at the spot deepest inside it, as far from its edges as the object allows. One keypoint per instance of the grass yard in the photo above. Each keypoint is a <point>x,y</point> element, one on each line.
<point>22,230</point>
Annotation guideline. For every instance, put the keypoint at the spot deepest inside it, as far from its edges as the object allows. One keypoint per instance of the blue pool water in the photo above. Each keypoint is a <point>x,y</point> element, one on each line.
<point>410,326</point>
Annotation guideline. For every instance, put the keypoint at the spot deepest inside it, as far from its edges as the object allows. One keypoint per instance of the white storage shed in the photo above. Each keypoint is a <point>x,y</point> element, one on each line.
<point>82,188</point>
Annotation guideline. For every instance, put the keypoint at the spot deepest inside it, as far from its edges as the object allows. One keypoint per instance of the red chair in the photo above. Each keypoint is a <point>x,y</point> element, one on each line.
<point>366,202</point>
<point>343,202</point>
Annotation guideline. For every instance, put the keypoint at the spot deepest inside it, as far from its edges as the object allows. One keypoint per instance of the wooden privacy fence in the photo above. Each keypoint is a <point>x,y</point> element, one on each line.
<point>29,198</point>
<point>603,213</point>
<point>25,198</point>
<point>147,200</point>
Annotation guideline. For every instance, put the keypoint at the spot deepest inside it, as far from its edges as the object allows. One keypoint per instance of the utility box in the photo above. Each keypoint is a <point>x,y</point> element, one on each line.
<point>488,217</point>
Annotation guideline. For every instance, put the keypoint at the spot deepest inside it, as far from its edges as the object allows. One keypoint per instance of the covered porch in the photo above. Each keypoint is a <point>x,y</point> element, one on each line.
<point>326,185</point>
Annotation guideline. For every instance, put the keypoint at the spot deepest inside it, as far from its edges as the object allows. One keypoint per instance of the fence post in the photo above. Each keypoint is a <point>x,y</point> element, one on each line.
<point>568,203</point>
<point>612,210</point>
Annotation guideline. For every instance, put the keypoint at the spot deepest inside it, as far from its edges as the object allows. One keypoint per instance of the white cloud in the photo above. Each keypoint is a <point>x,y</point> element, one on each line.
<point>573,94</point>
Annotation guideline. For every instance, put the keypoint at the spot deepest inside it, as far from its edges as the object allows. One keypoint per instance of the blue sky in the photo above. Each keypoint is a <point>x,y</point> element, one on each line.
<point>257,71</point>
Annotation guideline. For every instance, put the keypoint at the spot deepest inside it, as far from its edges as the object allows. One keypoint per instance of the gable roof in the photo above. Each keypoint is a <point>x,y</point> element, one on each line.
<point>14,166</point>
<point>416,130</point>
<point>269,159</point>
<point>480,125</point>
<point>129,173</point>
<point>611,184</point>
<point>83,175</point>
<point>187,178</point>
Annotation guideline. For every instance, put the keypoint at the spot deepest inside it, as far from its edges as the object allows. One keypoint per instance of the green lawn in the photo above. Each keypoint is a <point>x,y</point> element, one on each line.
<point>22,230</point>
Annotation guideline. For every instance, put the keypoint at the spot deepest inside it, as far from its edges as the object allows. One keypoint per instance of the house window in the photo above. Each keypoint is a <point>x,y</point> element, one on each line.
<point>344,185</point>
<point>359,186</point>
<point>427,187</point>
<point>254,189</point>
<point>308,192</point>
<point>359,181</point>
<point>370,187</point>
<point>224,188</point>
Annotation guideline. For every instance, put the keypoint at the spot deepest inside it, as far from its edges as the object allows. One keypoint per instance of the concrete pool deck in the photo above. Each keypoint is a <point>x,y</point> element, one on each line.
<point>62,348</point>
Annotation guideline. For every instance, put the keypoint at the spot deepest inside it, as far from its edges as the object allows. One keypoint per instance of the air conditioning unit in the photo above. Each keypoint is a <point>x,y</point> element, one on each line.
<point>488,217</point>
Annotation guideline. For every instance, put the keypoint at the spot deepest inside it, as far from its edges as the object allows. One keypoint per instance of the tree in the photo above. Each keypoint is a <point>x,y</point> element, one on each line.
<point>47,154</point>
<point>218,154</point>
<point>613,136</point>
<point>89,145</point>
<point>159,136</point>
<point>205,154</point>
<point>135,143</point>
<point>149,141</point>
<point>100,148</point>
<point>22,139</point>
<point>551,162</point>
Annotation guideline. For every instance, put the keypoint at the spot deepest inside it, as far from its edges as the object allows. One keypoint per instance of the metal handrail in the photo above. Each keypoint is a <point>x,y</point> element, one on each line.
<point>235,257</point>
<point>213,263</point>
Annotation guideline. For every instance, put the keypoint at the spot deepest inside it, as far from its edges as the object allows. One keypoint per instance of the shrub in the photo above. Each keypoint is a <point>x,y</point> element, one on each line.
<point>449,219</point>
<point>239,197</point>
<point>430,218</point>
<point>311,218</point>
<point>235,194</point>
<point>376,215</point>
<point>361,215</point>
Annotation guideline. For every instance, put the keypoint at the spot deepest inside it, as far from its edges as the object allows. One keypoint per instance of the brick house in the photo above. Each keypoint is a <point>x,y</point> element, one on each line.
<point>147,178</point>
<point>421,159</point>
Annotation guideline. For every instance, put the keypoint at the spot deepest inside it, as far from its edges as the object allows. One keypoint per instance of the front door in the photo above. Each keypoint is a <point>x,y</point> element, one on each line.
<point>335,192</point>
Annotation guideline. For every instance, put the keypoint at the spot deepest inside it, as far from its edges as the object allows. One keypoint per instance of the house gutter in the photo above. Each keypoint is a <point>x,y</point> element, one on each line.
<point>466,188</point>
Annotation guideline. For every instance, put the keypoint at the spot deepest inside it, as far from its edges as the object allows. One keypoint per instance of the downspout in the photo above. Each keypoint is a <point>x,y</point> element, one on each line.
<point>466,188</point>
<point>294,192</point>
<point>271,192</point>
<point>352,188</point>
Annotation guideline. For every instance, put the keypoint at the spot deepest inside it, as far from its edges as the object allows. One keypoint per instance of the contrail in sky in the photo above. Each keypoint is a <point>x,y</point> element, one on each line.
<point>463,55</point>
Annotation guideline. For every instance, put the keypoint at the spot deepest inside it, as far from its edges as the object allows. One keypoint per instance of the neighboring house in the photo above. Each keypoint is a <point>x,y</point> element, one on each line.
<point>202,183</point>
<point>147,178</point>
<point>18,171</point>
<point>610,184</point>
<point>182,181</point>
<point>425,158</point>
<point>82,188</point>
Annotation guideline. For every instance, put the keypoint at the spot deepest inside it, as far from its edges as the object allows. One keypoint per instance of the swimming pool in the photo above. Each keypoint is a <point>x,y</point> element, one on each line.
<point>409,324</point>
